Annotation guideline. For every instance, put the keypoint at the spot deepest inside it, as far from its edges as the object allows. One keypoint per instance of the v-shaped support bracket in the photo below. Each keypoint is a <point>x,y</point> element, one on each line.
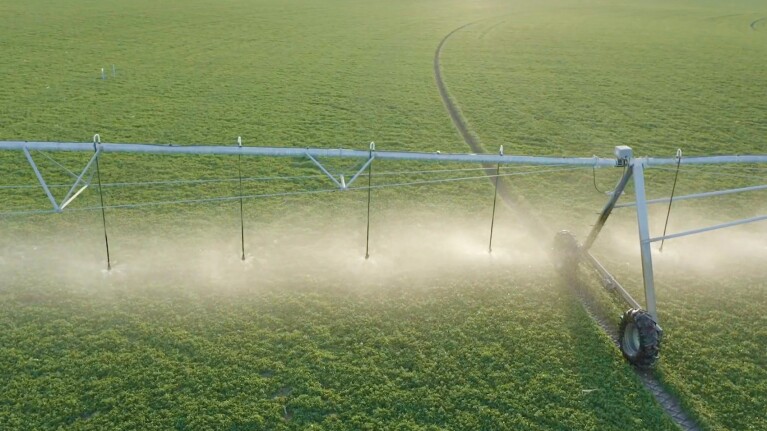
<point>340,182</point>
<point>72,194</point>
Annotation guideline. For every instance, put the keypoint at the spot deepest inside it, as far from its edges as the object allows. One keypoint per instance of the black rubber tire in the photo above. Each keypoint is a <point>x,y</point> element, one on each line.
<point>566,253</point>
<point>639,338</point>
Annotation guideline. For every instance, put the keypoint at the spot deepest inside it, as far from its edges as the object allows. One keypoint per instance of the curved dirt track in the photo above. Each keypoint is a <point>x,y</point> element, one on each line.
<point>452,109</point>
<point>460,123</point>
<point>754,24</point>
<point>667,401</point>
<point>491,28</point>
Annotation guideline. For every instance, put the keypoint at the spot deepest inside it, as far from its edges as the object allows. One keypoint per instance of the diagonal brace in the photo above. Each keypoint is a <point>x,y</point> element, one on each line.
<point>710,228</point>
<point>325,171</point>
<point>70,197</point>
<point>68,172</point>
<point>608,209</point>
<point>362,169</point>
<point>697,195</point>
<point>41,180</point>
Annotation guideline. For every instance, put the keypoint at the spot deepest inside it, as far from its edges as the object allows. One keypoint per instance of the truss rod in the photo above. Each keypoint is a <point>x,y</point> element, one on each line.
<point>617,192</point>
<point>325,171</point>
<point>697,195</point>
<point>710,228</point>
<point>79,179</point>
<point>41,179</point>
<point>707,160</point>
<point>608,281</point>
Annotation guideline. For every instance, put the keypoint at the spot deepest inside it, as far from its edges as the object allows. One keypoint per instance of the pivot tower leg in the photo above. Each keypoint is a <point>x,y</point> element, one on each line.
<point>644,238</point>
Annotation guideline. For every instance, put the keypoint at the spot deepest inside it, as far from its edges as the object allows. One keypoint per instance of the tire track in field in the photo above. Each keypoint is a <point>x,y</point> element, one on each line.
<point>670,403</point>
<point>754,24</point>
<point>716,18</point>
<point>665,399</point>
<point>452,108</point>
<point>491,28</point>
<point>472,140</point>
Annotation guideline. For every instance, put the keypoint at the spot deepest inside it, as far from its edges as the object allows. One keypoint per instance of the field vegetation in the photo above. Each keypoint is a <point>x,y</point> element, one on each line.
<point>431,332</point>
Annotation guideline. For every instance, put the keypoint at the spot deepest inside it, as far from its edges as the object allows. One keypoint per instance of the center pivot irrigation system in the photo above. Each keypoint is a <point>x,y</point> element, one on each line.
<point>639,332</point>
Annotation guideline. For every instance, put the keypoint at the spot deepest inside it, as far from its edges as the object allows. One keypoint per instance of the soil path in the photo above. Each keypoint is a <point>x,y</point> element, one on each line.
<point>516,202</point>
<point>452,109</point>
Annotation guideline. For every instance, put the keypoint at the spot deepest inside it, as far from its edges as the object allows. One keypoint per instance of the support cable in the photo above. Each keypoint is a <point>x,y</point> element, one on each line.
<point>671,198</point>
<point>228,180</point>
<point>738,168</point>
<point>70,173</point>
<point>594,177</point>
<point>299,192</point>
<point>96,141</point>
<point>720,174</point>
<point>530,169</point>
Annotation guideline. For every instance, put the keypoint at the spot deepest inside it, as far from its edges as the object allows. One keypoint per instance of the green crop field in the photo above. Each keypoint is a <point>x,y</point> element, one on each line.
<point>432,332</point>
